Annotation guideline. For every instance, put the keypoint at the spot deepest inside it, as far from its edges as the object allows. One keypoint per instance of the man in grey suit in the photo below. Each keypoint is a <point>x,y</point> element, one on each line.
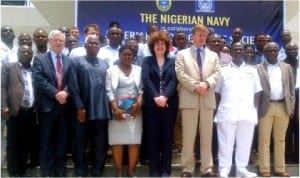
<point>197,69</point>
<point>275,107</point>
<point>17,106</point>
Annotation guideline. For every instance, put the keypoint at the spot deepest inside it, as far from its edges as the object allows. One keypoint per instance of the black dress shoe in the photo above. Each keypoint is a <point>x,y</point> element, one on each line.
<point>165,175</point>
<point>96,173</point>
<point>80,173</point>
<point>282,174</point>
<point>60,174</point>
<point>186,174</point>
<point>32,165</point>
<point>210,174</point>
<point>47,174</point>
<point>145,162</point>
<point>15,175</point>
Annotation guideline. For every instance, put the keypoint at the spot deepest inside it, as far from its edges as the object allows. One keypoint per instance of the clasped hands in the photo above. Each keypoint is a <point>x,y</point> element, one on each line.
<point>202,88</point>
<point>161,101</point>
<point>61,97</point>
<point>135,111</point>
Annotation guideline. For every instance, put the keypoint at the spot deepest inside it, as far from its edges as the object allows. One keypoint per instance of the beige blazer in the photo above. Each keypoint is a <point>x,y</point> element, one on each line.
<point>288,88</point>
<point>188,75</point>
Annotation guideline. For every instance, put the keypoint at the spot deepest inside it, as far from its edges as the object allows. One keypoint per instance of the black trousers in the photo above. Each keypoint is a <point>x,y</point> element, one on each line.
<point>160,127</point>
<point>20,136</point>
<point>53,141</point>
<point>96,132</point>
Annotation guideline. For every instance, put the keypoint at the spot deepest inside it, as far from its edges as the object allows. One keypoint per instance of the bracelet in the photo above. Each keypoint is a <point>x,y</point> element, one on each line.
<point>116,111</point>
<point>139,104</point>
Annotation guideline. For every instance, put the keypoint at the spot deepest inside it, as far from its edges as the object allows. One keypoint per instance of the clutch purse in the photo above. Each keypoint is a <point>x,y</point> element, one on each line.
<point>126,103</point>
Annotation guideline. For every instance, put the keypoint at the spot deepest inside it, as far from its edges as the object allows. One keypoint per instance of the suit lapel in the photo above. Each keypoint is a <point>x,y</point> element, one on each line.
<point>17,70</point>
<point>283,73</point>
<point>194,60</point>
<point>205,66</point>
<point>52,68</point>
<point>153,62</point>
<point>266,75</point>
<point>167,64</point>
<point>65,64</point>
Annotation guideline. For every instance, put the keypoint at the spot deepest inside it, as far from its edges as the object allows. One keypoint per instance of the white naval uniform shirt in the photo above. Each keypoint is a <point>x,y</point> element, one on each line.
<point>237,86</point>
<point>109,54</point>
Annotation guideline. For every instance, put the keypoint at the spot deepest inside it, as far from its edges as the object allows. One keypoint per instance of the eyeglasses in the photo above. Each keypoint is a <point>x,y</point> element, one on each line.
<point>271,50</point>
<point>58,40</point>
<point>93,44</point>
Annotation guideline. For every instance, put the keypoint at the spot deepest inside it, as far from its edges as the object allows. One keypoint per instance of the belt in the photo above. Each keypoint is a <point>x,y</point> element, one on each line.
<point>277,101</point>
<point>25,108</point>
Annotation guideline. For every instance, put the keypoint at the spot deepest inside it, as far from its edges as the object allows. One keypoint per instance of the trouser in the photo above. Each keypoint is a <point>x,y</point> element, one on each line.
<point>240,134</point>
<point>53,141</point>
<point>160,126</point>
<point>19,137</point>
<point>276,122</point>
<point>191,119</point>
<point>96,131</point>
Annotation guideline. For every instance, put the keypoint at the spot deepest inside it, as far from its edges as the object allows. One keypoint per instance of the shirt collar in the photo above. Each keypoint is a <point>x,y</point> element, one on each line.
<point>23,68</point>
<point>53,54</point>
<point>234,65</point>
<point>269,64</point>
<point>195,48</point>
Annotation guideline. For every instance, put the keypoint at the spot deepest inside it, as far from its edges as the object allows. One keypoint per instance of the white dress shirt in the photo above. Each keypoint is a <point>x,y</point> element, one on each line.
<point>77,52</point>
<point>275,78</point>
<point>109,54</point>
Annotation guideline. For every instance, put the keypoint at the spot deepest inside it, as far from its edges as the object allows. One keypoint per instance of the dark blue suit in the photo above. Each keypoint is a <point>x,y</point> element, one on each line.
<point>159,121</point>
<point>52,115</point>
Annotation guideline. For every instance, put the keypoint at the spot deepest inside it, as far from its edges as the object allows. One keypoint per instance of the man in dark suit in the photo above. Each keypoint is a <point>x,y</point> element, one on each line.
<point>17,106</point>
<point>275,108</point>
<point>50,72</point>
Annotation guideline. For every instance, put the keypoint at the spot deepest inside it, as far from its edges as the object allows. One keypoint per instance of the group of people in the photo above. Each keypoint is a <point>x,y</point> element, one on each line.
<point>130,95</point>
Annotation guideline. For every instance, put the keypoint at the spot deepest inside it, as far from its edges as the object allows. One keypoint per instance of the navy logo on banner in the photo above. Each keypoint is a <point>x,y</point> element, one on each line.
<point>205,6</point>
<point>163,5</point>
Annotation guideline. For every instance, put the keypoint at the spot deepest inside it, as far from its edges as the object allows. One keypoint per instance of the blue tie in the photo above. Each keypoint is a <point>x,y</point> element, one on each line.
<point>199,63</point>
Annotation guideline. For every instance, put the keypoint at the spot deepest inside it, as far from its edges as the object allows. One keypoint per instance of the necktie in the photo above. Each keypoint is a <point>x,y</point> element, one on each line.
<point>199,64</point>
<point>59,72</point>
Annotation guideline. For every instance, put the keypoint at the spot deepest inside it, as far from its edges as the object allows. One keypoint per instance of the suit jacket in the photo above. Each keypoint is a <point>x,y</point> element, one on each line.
<point>44,80</point>
<point>288,88</point>
<point>151,81</point>
<point>12,87</point>
<point>187,71</point>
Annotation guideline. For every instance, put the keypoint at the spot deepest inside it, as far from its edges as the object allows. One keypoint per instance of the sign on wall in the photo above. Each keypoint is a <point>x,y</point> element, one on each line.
<point>220,16</point>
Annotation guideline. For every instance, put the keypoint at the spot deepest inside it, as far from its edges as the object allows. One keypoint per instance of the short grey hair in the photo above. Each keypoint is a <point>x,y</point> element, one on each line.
<point>54,33</point>
<point>269,44</point>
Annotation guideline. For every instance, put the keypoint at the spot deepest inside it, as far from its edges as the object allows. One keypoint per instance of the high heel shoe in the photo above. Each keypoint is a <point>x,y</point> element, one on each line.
<point>130,175</point>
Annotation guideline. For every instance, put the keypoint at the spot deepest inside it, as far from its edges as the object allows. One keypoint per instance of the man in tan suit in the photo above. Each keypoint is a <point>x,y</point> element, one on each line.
<point>197,69</point>
<point>275,108</point>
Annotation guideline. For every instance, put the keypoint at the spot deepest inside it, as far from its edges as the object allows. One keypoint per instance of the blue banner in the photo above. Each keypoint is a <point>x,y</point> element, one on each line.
<point>220,16</point>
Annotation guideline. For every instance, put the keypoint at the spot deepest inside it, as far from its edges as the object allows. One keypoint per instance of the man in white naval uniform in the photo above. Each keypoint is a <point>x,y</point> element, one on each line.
<point>238,89</point>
